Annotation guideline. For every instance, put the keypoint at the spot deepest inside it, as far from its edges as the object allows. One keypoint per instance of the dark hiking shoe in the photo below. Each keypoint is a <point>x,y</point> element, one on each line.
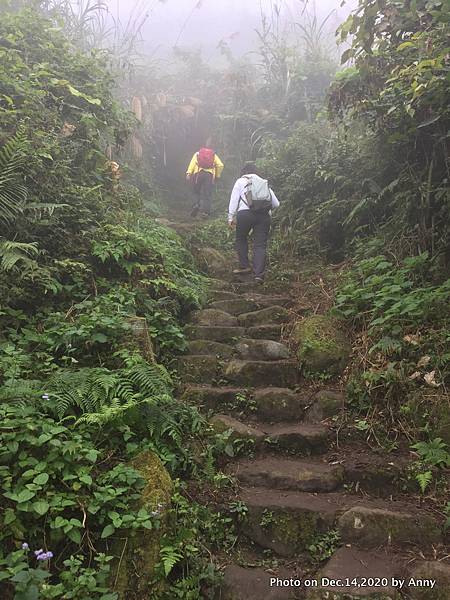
<point>259,280</point>
<point>194,211</point>
<point>242,271</point>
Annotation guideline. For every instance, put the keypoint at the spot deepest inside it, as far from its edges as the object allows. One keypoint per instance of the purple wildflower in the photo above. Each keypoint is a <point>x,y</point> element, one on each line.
<point>37,552</point>
<point>45,556</point>
<point>25,546</point>
<point>45,396</point>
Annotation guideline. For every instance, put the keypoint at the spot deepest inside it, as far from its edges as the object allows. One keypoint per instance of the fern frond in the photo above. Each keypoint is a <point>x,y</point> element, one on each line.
<point>424,480</point>
<point>13,193</point>
<point>12,253</point>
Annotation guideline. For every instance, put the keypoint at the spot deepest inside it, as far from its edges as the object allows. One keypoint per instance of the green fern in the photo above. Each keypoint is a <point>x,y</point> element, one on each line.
<point>100,395</point>
<point>17,255</point>
<point>424,480</point>
<point>13,193</point>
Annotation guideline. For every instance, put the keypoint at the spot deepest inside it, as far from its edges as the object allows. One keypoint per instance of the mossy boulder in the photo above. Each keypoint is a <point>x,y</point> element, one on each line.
<point>137,551</point>
<point>322,347</point>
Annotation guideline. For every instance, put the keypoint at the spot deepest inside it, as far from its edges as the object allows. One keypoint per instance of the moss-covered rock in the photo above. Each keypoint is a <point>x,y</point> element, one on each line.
<point>137,552</point>
<point>322,346</point>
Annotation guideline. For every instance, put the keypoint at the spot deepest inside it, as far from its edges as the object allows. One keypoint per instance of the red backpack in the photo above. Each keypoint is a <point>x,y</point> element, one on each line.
<point>205,158</point>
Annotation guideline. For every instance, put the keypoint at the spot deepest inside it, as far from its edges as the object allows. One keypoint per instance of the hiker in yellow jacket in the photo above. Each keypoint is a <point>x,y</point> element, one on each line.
<point>205,167</point>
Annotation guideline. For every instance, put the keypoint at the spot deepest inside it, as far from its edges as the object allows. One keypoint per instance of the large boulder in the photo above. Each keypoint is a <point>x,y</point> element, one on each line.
<point>137,551</point>
<point>322,347</point>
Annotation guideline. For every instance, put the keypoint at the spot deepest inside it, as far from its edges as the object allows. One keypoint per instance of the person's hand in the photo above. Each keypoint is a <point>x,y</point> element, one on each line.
<point>188,177</point>
<point>231,224</point>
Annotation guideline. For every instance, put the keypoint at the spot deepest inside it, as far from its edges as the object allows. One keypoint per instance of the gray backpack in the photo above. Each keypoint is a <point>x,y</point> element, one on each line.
<point>257,194</point>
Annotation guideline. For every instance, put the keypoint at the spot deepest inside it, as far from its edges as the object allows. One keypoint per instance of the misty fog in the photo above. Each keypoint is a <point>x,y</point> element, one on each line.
<point>205,24</point>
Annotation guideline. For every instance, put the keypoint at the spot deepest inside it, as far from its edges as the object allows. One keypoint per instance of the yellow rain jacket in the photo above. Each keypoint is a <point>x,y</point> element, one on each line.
<point>193,168</point>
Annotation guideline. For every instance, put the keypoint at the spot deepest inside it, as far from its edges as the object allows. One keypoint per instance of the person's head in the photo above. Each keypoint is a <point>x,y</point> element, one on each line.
<point>249,169</point>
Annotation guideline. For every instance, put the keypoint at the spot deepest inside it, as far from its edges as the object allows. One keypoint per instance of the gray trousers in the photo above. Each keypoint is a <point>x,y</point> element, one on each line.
<point>259,223</point>
<point>203,188</point>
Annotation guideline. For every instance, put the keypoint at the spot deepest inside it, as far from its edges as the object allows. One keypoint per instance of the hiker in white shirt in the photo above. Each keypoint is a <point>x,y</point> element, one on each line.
<point>251,205</point>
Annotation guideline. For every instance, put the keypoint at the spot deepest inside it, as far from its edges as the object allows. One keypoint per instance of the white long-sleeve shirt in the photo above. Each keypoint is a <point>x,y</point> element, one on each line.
<point>238,202</point>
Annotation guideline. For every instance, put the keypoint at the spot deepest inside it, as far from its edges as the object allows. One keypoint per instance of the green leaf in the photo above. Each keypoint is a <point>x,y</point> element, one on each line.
<point>41,479</point>
<point>41,507</point>
<point>107,531</point>
<point>74,535</point>
<point>25,495</point>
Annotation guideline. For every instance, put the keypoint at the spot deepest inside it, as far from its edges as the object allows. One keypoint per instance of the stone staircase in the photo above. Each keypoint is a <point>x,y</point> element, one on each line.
<point>293,486</point>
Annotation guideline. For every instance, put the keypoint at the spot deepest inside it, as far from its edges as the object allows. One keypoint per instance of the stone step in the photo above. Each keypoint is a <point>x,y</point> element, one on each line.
<point>264,332</point>
<point>279,404</point>
<point>198,369</point>
<point>209,347</point>
<point>214,333</point>
<point>298,438</point>
<point>264,316</point>
<point>288,521</point>
<point>368,527</point>
<point>216,295</point>
<point>241,583</point>
<point>288,474</point>
<point>253,373</point>
<point>213,317</point>
<point>211,397</point>
<point>349,564</point>
<point>261,350</point>
<point>268,300</point>
<point>236,306</point>
<point>237,429</point>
